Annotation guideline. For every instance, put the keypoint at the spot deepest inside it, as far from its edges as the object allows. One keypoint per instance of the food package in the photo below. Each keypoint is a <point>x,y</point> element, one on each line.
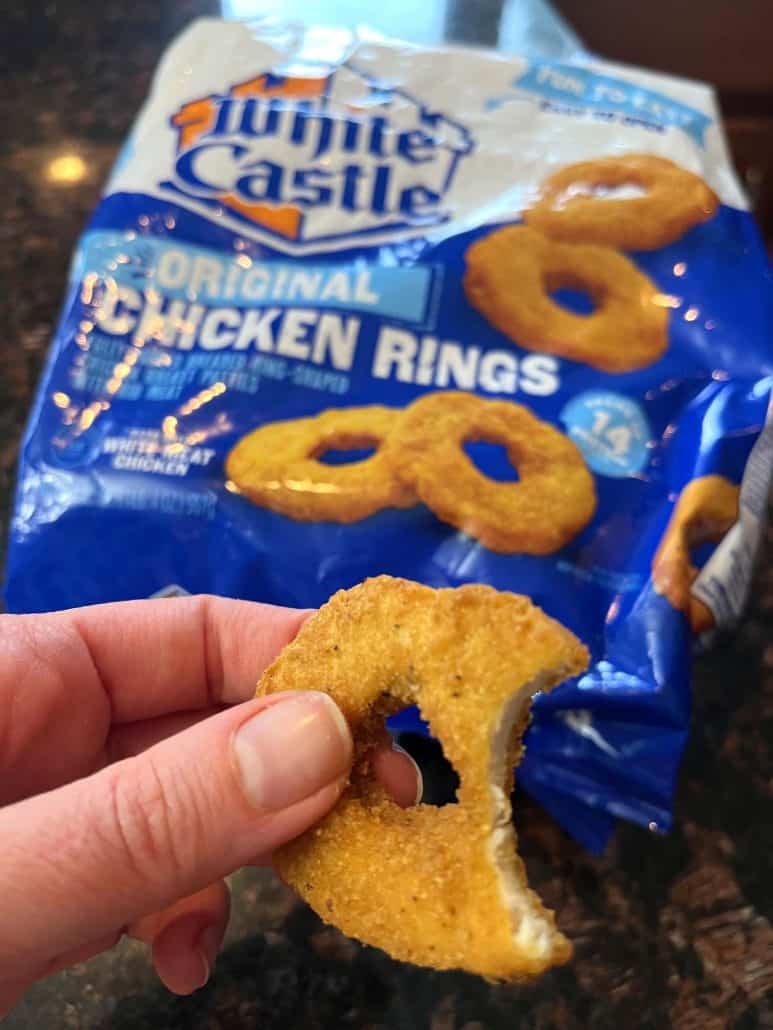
<point>349,306</point>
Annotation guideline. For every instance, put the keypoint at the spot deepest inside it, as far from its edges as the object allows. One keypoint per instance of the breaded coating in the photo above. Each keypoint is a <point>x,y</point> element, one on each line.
<point>704,512</point>
<point>553,499</point>
<point>277,466</point>
<point>572,207</point>
<point>512,272</point>
<point>439,887</point>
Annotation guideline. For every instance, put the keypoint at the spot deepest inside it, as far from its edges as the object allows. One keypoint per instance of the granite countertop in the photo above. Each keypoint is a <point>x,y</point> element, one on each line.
<point>672,931</point>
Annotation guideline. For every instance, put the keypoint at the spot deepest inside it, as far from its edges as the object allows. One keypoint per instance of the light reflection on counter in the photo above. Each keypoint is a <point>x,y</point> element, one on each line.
<point>66,169</point>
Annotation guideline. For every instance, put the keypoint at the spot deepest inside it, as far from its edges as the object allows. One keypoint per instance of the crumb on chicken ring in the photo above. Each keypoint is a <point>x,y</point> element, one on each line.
<point>512,272</point>
<point>439,887</point>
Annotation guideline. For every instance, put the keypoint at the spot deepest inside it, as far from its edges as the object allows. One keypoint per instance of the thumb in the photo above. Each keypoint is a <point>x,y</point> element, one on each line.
<point>83,860</point>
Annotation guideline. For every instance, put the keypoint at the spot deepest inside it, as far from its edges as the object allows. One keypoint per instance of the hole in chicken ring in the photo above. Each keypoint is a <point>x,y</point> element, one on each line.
<point>554,496</point>
<point>572,206</point>
<point>706,509</point>
<point>512,272</point>
<point>440,887</point>
<point>277,466</point>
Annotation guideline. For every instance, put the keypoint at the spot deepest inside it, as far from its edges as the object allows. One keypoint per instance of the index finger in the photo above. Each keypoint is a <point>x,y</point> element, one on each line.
<point>155,657</point>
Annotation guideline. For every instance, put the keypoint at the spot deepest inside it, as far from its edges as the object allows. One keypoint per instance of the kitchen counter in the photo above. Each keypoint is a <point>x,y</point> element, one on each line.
<point>669,931</point>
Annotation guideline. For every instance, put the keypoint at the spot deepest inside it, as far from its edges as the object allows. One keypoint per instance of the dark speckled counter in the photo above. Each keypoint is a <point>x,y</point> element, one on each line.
<point>669,932</point>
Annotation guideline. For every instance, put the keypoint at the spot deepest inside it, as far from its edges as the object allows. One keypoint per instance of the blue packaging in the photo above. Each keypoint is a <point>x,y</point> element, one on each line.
<point>287,232</point>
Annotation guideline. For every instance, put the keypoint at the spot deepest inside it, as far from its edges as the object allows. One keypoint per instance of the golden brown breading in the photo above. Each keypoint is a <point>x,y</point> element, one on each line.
<point>512,272</point>
<point>276,466</point>
<point>704,512</point>
<point>570,208</point>
<point>440,887</point>
<point>553,499</point>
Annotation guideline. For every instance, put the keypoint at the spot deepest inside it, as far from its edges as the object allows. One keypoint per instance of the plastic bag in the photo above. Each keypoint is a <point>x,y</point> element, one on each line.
<point>290,231</point>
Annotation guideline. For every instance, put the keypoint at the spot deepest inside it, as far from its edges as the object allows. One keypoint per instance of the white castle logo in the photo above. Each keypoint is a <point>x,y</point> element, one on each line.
<point>310,160</point>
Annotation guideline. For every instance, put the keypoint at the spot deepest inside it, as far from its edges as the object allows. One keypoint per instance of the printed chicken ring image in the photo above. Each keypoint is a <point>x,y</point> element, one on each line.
<point>553,499</point>
<point>439,887</point>
<point>512,272</point>
<point>277,466</point>
<point>571,206</point>
<point>707,508</point>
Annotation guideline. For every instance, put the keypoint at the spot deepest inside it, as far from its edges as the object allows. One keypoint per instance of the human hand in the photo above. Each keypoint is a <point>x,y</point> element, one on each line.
<point>137,770</point>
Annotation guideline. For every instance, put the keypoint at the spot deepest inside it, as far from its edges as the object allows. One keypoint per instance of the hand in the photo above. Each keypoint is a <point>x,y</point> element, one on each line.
<point>135,773</point>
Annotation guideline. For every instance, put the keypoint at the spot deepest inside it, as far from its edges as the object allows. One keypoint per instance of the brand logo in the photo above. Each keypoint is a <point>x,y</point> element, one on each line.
<point>316,159</point>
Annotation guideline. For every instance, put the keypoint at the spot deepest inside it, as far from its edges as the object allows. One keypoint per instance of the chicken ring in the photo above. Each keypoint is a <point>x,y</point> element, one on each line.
<point>512,272</point>
<point>278,467</point>
<point>571,205</point>
<point>705,511</point>
<point>440,887</point>
<point>553,499</point>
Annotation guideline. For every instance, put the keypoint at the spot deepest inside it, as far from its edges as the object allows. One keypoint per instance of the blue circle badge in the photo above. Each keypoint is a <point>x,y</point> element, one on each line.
<point>611,430</point>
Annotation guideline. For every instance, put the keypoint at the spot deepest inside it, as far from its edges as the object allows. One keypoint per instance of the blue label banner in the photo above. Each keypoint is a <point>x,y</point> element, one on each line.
<point>570,83</point>
<point>180,270</point>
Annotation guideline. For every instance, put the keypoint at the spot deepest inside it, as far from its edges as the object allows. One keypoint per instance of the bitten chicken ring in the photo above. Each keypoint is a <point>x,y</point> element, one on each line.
<point>277,466</point>
<point>705,511</point>
<point>512,272</point>
<point>440,887</point>
<point>570,207</point>
<point>553,499</point>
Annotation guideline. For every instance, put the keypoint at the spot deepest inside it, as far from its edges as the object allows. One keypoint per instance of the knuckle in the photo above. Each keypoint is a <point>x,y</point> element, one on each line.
<point>155,822</point>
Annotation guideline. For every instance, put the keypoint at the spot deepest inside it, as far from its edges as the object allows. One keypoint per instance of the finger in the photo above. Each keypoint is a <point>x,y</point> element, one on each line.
<point>129,840</point>
<point>67,676</point>
<point>81,954</point>
<point>12,992</point>
<point>184,953</point>
<point>399,775</point>
<point>208,910</point>
<point>132,738</point>
<point>186,937</point>
<point>212,904</point>
<point>177,654</point>
<point>186,652</point>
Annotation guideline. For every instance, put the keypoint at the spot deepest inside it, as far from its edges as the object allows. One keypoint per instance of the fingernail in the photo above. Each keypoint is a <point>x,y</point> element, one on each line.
<point>292,749</point>
<point>208,947</point>
<point>206,969</point>
<point>419,778</point>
